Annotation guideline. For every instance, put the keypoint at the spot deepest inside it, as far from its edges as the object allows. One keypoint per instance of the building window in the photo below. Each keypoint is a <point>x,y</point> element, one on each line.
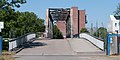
<point>116,31</point>
<point>115,24</point>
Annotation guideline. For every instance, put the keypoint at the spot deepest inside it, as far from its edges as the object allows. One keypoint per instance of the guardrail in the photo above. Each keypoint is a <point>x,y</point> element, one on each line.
<point>18,42</point>
<point>96,42</point>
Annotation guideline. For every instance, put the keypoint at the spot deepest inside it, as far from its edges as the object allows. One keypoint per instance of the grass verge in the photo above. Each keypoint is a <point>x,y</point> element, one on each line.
<point>7,56</point>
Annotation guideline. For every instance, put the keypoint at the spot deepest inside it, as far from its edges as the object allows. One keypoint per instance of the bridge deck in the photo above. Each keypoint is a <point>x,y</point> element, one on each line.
<point>84,47</point>
<point>60,47</point>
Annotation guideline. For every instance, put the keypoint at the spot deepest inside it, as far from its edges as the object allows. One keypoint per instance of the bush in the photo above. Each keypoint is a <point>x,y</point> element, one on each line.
<point>84,30</point>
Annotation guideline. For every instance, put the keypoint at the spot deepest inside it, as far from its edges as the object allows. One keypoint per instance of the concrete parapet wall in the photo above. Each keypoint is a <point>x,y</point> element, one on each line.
<point>98,43</point>
<point>21,40</point>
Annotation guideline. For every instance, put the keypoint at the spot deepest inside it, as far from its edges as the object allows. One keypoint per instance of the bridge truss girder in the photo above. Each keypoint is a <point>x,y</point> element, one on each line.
<point>58,14</point>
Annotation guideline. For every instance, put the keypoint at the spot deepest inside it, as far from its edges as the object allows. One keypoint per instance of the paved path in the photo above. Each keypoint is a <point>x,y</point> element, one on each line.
<point>84,47</point>
<point>48,47</point>
<point>61,49</point>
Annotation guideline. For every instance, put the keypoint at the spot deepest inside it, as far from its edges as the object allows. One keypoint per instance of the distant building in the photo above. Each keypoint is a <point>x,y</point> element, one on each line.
<point>114,25</point>
<point>68,20</point>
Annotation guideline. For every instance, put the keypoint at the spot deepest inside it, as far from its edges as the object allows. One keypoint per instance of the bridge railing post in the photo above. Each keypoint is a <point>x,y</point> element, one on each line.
<point>108,45</point>
<point>1,27</point>
<point>0,43</point>
<point>109,42</point>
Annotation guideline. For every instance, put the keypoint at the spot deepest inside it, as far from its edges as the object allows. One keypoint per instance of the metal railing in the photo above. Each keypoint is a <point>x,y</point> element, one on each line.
<point>20,41</point>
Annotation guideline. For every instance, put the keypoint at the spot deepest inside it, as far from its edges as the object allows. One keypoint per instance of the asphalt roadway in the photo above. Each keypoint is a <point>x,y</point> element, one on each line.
<point>62,49</point>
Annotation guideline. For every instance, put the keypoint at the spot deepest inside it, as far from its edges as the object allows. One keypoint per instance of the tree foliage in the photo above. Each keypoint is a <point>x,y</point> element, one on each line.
<point>8,4</point>
<point>19,23</point>
<point>84,30</point>
<point>117,12</point>
<point>56,33</point>
<point>101,32</point>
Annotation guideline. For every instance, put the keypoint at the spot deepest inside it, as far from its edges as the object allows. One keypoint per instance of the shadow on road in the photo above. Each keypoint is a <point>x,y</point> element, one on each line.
<point>34,44</point>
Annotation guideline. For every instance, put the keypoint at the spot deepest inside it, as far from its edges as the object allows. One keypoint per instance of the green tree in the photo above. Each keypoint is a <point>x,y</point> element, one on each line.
<point>84,30</point>
<point>7,14</point>
<point>8,19</point>
<point>6,4</point>
<point>20,23</point>
<point>101,32</point>
<point>56,33</point>
<point>117,12</point>
<point>29,22</point>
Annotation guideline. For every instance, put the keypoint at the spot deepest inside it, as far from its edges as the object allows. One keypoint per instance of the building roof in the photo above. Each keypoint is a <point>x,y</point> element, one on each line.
<point>117,17</point>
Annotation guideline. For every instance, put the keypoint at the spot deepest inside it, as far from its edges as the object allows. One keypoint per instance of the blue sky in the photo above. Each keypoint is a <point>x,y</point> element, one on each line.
<point>96,10</point>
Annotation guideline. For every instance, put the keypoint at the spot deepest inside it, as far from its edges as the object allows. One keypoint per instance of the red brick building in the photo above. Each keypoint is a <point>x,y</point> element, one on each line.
<point>68,20</point>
